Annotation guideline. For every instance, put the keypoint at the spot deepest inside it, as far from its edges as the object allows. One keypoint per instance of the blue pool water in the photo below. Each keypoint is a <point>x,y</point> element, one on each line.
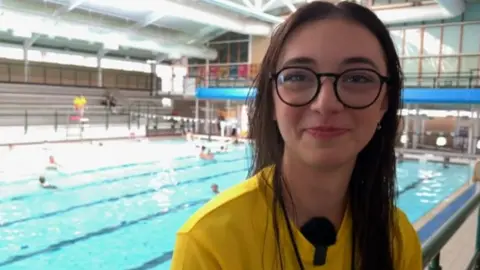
<point>125,217</point>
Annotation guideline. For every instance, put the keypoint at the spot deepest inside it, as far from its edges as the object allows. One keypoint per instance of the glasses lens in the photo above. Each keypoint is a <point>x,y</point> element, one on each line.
<point>358,88</point>
<point>296,86</point>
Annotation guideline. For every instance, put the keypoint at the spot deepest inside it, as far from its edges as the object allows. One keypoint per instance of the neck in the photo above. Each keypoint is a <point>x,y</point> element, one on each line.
<point>311,192</point>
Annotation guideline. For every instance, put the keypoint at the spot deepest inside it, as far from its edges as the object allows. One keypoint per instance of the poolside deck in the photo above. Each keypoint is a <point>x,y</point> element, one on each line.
<point>459,250</point>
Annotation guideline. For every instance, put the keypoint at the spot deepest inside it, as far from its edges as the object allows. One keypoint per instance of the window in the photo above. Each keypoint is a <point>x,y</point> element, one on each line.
<point>222,50</point>
<point>243,52</point>
<point>230,36</point>
<point>196,61</point>
<point>233,52</point>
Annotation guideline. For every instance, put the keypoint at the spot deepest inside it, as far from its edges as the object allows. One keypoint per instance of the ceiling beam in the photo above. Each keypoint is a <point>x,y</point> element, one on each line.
<point>267,5</point>
<point>204,32</point>
<point>289,5</point>
<point>258,4</point>
<point>145,39</point>
<point>73,4</point>
<point>149,19</point>
<point>259,14</point>
<point>248,4</point>
<point>56,14</point>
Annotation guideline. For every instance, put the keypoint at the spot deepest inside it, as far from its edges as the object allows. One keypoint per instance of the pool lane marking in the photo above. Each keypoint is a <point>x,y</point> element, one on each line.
<point>166,256</point>
<point>102,169</point>
<point>118,198</point>
<point>116,179</point>
<point>103,231</point>
<point>151,263</point>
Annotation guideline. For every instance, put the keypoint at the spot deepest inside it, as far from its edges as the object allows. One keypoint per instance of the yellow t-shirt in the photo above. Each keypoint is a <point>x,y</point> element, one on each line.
<point>234,231</point>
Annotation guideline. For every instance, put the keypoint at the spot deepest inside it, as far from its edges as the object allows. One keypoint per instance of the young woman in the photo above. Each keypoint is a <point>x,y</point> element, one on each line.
<point>323,126</point>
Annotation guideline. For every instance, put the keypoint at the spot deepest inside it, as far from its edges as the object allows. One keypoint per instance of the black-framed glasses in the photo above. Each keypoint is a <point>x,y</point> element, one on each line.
<point>355,88</point>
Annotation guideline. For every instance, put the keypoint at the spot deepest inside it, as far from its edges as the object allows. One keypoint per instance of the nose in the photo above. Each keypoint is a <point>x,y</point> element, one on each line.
<point>326,101</point>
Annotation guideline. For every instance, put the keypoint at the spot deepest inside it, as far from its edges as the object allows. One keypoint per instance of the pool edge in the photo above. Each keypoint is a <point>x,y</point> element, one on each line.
<point>422,221</point>
<point>432,221</point>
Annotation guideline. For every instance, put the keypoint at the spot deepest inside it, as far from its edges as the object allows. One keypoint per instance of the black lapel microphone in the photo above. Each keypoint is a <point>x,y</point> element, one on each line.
<point>321,233</point>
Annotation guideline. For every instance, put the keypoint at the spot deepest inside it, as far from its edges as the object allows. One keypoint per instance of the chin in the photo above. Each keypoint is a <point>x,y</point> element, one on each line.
<point>327,157</point>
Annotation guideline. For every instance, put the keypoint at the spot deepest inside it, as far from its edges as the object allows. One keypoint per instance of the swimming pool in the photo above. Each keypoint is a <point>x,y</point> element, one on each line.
<point>125,217</point>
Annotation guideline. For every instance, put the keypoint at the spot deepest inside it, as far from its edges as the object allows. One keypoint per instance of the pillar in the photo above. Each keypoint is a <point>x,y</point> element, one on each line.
<point>197,105</point>
<point>422,129</point>
<point>207,117</point>
<point>250,43</point>
<point>99,72</point>
<point>154,80</point>
<point>476,130</point>
<point>26,69</point>
<point>416,127</point>
<point>471,132</point>
<point>406,126</point>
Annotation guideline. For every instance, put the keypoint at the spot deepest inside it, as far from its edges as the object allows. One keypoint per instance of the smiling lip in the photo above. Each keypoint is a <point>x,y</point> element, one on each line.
<point>326,132</point>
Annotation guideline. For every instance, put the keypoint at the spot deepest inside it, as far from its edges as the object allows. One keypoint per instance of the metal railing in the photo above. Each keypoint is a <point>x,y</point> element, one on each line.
<point>455,142</point>
<point>432,247</point>
<point>46,74</point>
<point>455,145</point>
<point>56,117</point>
<point>426,81</point>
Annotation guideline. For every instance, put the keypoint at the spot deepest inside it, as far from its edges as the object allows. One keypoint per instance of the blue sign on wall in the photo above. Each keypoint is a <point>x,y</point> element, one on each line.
<point>409,95</point>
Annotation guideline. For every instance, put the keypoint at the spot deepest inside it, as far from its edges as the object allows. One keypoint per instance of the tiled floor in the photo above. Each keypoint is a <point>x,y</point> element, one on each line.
<point>457,253</point>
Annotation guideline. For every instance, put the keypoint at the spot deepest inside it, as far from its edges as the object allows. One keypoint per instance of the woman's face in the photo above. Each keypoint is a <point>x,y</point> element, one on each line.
<point>325,132</point>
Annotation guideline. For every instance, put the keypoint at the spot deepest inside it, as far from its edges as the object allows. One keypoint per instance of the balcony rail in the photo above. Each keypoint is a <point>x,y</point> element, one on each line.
<point>432,247</point>
<point>425,81</point>
<point>73,76</point>
<point>152,114</point>
<point>88,77</point>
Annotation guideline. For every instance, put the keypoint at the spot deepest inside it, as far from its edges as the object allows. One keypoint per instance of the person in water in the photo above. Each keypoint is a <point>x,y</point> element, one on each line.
<point>44,184</point>
<point>52,164</point>
<point>206,154</point>
<point>214,188</point>
<point>323,124</point>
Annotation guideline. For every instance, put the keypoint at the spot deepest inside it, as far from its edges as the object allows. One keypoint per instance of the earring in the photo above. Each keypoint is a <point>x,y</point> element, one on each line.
<point>379,126</point>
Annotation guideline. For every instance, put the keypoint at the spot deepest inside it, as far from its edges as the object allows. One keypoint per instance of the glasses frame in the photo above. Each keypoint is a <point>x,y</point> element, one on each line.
<point>336,76</point>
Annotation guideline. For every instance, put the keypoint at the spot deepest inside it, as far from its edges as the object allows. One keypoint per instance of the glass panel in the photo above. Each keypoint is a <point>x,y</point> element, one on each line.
<point>451,40</point>
<point>432,40</point>
<point>413,42</point>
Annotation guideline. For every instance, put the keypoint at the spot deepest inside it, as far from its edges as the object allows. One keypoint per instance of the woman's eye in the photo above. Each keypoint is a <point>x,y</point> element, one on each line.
<point>293,77</point>
<point>357,78</point>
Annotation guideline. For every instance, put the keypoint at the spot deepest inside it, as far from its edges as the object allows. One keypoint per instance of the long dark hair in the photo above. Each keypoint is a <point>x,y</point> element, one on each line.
<point>372,189</point>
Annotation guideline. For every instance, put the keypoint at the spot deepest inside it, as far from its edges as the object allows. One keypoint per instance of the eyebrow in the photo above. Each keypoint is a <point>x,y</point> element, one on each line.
<point>359,60</point>
<point>299,61</point>
<point>348,61</point>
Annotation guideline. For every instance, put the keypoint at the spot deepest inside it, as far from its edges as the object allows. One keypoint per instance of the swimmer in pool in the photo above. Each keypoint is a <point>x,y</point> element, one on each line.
<point>214,188</point>
<point>44,184</point>
<point>189,136</point>
<point>52,164</point>
<point>206,155</point>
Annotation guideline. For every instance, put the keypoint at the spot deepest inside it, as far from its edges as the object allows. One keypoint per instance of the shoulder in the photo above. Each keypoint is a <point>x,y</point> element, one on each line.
<point>229,207</point>
<point>223,228</point>
<point>405,228</point>
<point>407,246</point>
